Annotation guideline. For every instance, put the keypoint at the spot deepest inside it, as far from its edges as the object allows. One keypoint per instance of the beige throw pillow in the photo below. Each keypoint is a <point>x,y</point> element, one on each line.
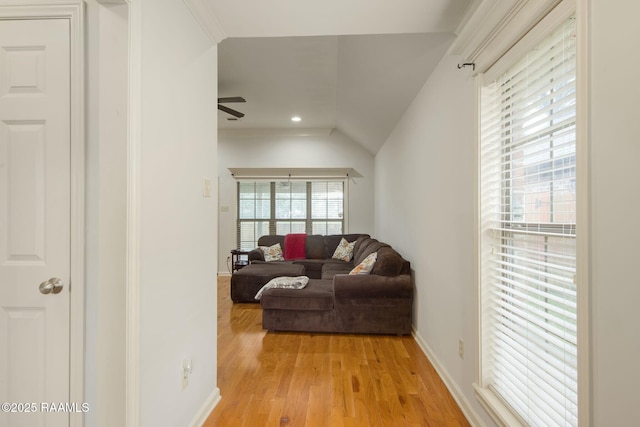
<point>272,253</point>
<point>366,265</point>
<point>344,251</point>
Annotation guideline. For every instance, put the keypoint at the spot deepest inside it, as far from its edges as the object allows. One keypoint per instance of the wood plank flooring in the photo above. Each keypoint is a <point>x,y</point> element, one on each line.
<point>297,379</point>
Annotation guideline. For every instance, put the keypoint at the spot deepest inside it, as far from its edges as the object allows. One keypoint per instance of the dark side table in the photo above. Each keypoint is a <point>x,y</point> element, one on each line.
<point>239,259</point>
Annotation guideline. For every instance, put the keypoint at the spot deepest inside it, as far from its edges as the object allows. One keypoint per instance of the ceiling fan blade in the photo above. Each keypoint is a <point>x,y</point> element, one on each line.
<point>230,111</point>
<point>231,99</point>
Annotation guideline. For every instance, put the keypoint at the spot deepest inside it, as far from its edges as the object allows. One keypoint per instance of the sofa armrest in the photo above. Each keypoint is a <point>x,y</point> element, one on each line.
<point>367,286</point>
<point>255,255</point>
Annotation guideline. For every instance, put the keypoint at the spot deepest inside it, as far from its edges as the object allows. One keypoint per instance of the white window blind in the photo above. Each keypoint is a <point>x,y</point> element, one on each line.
<point>327,207</point>
<point>291,206</point>
<point>528,250</point>
<point>254,212</point>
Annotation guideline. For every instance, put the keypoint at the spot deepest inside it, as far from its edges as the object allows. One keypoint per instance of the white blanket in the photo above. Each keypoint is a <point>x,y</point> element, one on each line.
<point>285,283</point>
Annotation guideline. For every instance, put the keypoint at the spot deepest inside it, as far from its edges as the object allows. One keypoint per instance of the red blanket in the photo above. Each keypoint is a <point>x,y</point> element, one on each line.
<point>294,246</point>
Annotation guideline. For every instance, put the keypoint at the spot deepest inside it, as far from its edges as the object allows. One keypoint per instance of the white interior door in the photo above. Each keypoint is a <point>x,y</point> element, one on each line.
<point>34,219</point>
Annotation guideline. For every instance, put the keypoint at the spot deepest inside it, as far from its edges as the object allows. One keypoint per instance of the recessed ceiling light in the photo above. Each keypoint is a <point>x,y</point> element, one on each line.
<point>295,119</point>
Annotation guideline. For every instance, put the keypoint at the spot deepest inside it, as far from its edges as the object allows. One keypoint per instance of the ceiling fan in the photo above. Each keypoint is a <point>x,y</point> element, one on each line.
<point>236,114</point>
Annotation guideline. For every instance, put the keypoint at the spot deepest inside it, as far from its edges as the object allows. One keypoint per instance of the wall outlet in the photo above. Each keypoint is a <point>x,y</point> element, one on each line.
<point>461,348</point>
<point>186,372</point>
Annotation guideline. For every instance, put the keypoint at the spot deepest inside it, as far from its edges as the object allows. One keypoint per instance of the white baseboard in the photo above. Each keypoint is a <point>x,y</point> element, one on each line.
<point>208,406</point>
<point>455,391</point>
<point>224,273</point>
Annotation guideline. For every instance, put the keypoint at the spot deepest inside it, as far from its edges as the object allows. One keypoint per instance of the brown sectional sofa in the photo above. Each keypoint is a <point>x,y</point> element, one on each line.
<point>333,301</point>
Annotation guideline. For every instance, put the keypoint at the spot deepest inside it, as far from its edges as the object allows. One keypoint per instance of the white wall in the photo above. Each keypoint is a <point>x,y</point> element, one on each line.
<point>615,207</point>
<point>431,152</point>
<point>178,259</point>
<point>178,233</point>
<point>331,151</point>
<point>106,193</point>
<point>424,198</point>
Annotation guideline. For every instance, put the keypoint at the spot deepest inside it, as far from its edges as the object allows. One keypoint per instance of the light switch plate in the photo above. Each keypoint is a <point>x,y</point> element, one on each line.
<point>206,187</point>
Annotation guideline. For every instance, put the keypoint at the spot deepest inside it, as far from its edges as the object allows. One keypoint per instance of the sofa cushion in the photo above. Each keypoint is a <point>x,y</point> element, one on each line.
<point>389,262</point>
<point>314,247</point>
<point>367,248</point>
<point>271,239</point>
<point>330,269</point>
<point>359,241</point>
<point>313,267</point>
<point>317,295</point>
<point>360,248</point>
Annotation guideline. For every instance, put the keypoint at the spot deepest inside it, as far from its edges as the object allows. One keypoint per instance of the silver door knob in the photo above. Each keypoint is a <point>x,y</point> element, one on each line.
<point>51,286</point>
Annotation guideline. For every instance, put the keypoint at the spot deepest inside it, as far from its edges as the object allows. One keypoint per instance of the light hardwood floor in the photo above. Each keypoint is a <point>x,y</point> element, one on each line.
<point>298,379</point>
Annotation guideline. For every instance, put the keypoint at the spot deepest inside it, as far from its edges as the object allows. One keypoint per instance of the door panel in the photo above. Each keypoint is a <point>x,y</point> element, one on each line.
<point>24,187</point>
<point>35,199</point>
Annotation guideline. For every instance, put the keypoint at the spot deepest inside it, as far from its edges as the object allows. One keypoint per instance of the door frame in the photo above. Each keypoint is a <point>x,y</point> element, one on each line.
<point>73,11</point>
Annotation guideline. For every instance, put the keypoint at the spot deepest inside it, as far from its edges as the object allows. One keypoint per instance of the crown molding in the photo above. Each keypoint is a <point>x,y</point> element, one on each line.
<point>496,25</point>
<point>203,13</point>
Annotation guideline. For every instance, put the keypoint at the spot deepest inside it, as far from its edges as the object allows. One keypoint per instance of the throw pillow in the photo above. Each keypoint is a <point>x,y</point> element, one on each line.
<point>272,253</point>
<point>344,251</point>
<point>366,265</point>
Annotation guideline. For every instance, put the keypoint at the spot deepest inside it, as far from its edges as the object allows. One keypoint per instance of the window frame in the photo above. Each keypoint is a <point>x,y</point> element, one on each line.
<point>308,220</point>
<point>489,401</point>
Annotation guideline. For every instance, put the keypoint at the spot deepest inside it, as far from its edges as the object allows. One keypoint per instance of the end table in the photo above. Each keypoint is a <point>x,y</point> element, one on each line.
<point>239,259</point>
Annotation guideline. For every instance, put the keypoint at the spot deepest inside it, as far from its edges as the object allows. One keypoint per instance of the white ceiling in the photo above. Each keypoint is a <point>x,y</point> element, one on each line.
<point>351,65</point>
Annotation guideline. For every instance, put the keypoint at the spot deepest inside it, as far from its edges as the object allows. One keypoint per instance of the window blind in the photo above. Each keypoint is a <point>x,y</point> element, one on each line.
<point>254,212</point>
<point>291,207</point>
<point>528,250</point>
<point>327,207</point>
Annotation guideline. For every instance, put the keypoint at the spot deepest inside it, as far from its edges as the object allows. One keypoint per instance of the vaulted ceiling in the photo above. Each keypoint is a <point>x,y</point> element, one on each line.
<point>350,65</point>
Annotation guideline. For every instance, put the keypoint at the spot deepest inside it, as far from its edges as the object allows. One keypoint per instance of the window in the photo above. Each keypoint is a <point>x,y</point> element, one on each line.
<point>528,234</point>
<point>282,207</point>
